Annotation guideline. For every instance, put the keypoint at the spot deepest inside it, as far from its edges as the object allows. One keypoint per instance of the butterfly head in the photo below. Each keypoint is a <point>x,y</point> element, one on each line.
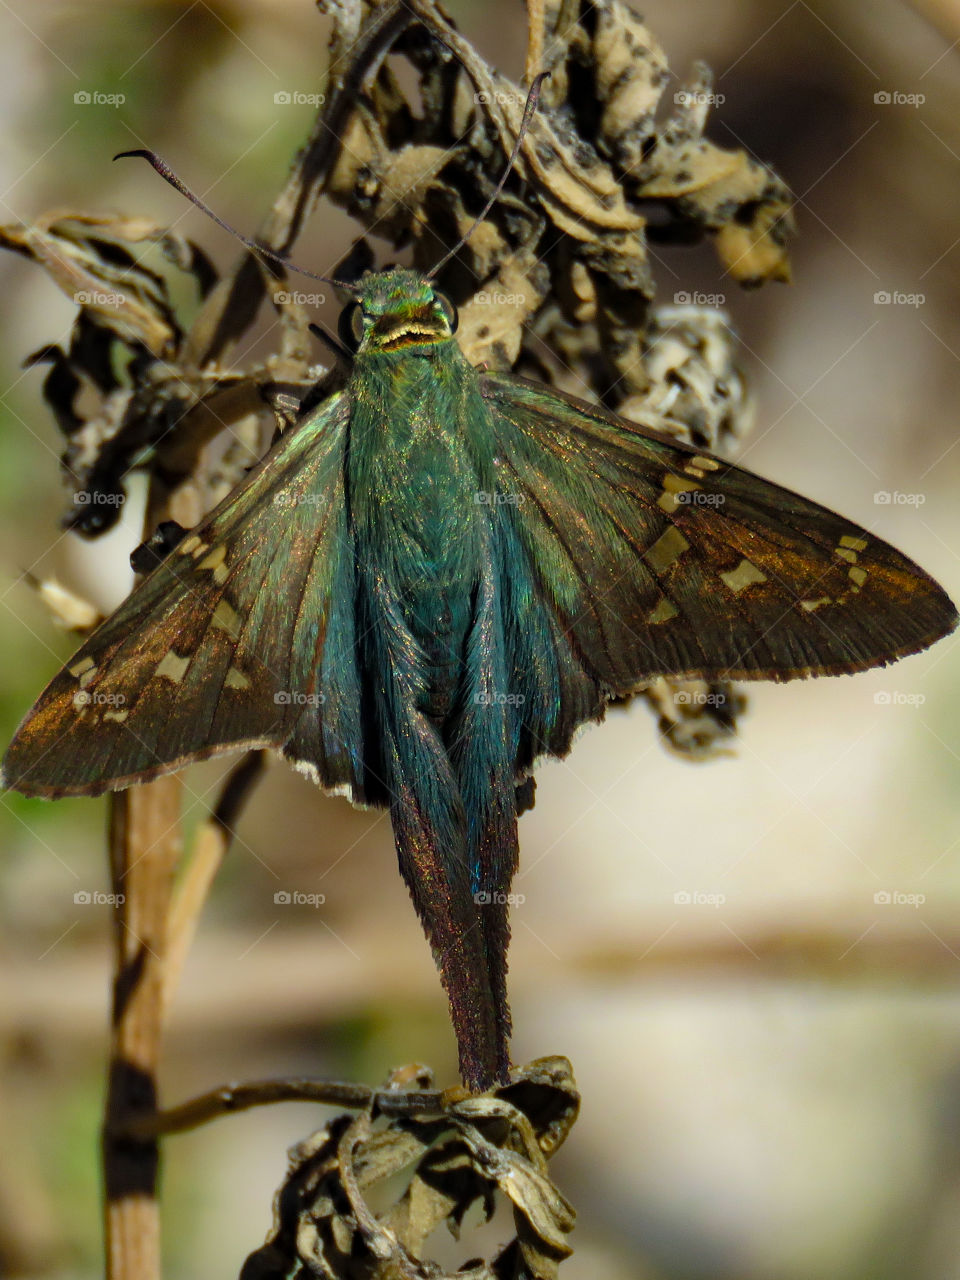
<point>396,310</point>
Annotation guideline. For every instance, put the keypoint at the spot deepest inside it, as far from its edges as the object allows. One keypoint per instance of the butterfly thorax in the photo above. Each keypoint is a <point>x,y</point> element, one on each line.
<point>413,484</point>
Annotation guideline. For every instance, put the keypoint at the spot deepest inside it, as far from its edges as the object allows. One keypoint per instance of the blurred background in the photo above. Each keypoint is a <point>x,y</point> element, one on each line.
<point>753,964</point>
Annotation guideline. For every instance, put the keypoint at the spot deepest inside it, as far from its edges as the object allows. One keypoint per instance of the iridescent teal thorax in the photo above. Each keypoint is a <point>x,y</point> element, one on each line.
<point>417,458</point>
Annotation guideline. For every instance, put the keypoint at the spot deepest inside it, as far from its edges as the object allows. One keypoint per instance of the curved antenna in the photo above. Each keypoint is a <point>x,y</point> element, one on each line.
<point>160,165</point>
<point>530,106</point>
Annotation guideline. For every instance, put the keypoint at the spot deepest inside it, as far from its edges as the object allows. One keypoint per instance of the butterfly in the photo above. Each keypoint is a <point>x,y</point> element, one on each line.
<point>435,578</point>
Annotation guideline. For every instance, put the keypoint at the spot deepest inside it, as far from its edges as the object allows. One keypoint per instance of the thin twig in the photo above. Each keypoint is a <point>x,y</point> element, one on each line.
<point>230,1098</point>
<point>536,18</point>
<point>210,847</point>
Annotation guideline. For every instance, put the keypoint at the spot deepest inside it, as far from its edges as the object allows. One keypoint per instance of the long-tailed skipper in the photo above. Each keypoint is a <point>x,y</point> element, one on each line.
<point>433,579</point>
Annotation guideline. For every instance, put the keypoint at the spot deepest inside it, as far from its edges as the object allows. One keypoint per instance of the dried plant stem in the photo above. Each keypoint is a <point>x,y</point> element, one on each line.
<point>145,844</point>
<point>942,14</point>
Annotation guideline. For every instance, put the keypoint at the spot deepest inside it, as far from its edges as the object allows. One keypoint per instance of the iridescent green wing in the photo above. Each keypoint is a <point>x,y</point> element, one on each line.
<point>242,637</point>
<point>659,560</point>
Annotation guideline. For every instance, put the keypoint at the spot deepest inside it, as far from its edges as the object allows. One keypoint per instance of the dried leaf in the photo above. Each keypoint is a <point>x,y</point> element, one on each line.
<point>90,258</point>
<point>463,1152</point>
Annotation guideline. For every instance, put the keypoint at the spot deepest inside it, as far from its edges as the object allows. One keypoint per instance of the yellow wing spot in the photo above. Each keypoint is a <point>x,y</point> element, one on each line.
<point>189,544</point>
<point>672,486</point>
<point>172,666</point>
<point>225,617</point>
<point>119,716</point>
<point>857,576</point>
<point>217,562</point>
<point>664,611</point>
<point>200,549</point>
<point>744,575</point>
<point>854,544</point>
<point>812,605</point>
<point>667,549</point>
<point>215,558</point>
<point>677,484</point>
<point>846,554</point>
<point>84,665</point>
<point>705,464</point>
<point>236,679</point>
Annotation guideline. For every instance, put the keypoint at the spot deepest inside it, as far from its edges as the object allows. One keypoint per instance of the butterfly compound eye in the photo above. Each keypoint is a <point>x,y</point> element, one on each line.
<point>448,309</point>
<point>350,326</point>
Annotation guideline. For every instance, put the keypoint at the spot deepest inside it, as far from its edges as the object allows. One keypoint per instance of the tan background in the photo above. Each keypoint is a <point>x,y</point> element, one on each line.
<point>772,1084</point>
